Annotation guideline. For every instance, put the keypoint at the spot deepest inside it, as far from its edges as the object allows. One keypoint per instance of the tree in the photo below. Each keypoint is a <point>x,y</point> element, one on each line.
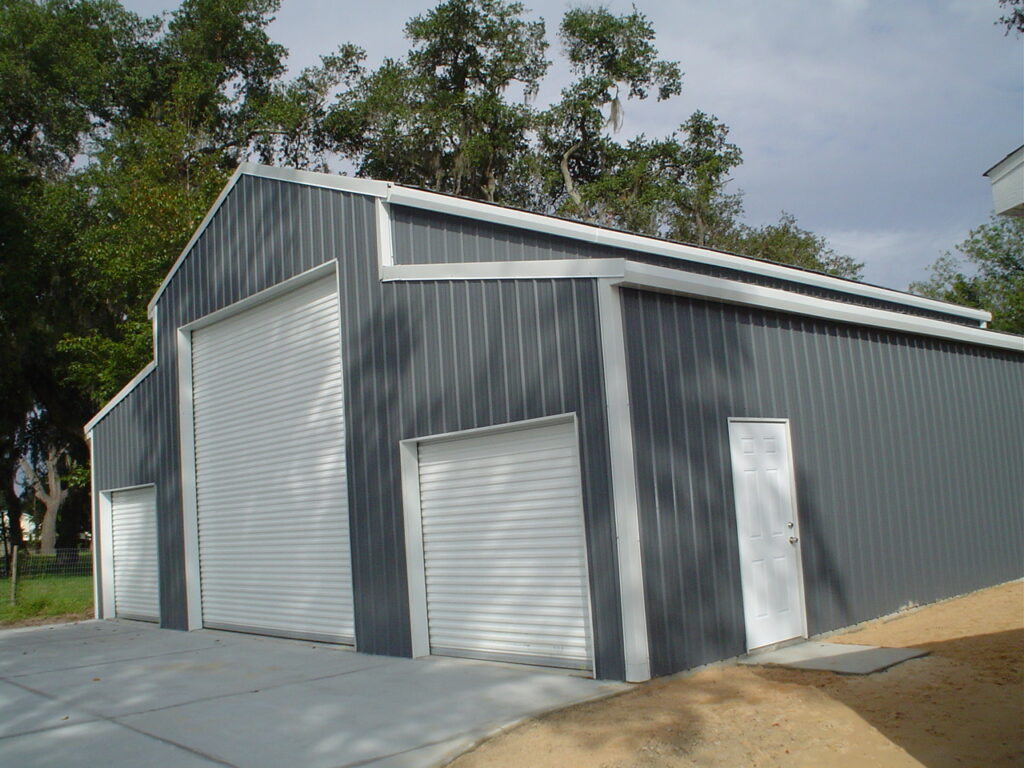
<point>787,243</point>
<point>440,118</point>
<point>47,487</point>
<point>611,57</point>
<point>118,132</point>
<point>1014,18</point>
<point>987,273</point>
<point>705,214</point>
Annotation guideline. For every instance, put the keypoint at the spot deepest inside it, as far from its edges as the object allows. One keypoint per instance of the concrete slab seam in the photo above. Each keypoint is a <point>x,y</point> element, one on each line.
<point>97,716</point>
<point>264,689</point>
<point>118,661</point>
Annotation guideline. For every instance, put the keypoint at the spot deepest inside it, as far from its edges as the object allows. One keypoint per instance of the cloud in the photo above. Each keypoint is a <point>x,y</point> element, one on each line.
<point>895,258</point>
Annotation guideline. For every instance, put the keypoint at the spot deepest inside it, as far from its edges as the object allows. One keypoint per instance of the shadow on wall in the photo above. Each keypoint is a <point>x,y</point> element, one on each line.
<point>432,358</point>
<point>693,365</point>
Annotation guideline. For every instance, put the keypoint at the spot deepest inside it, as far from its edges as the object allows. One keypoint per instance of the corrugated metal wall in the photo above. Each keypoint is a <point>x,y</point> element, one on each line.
<point>425,237</point>
<point>910,480</point>
<point>419,359</point>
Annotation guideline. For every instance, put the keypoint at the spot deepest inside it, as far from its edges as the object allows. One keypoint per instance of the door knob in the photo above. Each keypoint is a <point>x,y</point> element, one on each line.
<point>789,524</point>
<point>793,539</point>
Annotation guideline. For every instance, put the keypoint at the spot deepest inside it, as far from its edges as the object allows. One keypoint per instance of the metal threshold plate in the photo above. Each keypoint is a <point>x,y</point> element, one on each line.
<point>833,657</point>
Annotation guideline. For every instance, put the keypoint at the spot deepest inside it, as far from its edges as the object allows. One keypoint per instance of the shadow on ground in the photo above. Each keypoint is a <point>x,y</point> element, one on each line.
<point>962,705</point>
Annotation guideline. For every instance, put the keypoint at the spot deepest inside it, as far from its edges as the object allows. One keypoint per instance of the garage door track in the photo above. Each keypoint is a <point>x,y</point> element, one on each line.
<point>125,694</point>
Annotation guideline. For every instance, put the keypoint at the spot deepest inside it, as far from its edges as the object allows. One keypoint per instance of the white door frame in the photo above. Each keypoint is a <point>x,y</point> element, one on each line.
<point>414,560</point>
<point>796,510</point>
<point>187,430</point>
<point>106,608</point>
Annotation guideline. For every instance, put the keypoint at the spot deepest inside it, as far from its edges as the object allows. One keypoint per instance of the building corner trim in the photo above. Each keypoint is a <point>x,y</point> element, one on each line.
<point>635,641</point>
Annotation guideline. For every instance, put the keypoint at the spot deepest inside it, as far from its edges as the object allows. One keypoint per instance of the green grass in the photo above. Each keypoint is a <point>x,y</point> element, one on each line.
<point>45,597</point>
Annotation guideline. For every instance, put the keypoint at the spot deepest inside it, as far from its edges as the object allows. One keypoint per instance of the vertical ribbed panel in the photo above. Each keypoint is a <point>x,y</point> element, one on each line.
<point>271,487</point>
<point>503,546</point>
<point>907,486</point>
<point>426,237</point>
<point>133,527</point>
<point>419,359</point>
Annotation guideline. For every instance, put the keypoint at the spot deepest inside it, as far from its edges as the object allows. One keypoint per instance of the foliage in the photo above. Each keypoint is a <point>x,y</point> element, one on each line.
<point>787,243</point>
<point>48,597</point>
<point>439,117</point>
<point>118,131</point>
<point>608,55</point>
<point>987,273</point>
<point>1013,20</point>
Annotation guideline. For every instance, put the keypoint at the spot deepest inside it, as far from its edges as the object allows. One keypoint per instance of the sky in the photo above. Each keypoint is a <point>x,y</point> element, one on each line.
<point>871,121</point>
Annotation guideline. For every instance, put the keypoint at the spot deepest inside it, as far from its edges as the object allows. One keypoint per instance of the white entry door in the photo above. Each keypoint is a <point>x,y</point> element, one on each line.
<point>769,533</point>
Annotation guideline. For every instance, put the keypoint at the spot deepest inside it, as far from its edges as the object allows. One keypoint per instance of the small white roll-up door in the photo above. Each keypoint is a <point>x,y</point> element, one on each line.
<point>271,488</point>
<point>504,549</point>
<point>133,533</point>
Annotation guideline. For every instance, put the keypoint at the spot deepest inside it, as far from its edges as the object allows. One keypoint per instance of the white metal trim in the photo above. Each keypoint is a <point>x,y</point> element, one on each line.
<point>415,563</point>
<point>294,175</point>
<point>590,233</point>
<point>635,639</point>
<point>358,186</point>
<point>151,307</point>
<point>261,297</point>
<point>126,390</point>
<point>189,491</point>
<point>105,607</point>
<point>186,423</point>
<point>794,498</point>
<point>94,516</point>
<point>649,277</point>
<point>506,270</point>
<point>508,426</point>
<point>385,246</point>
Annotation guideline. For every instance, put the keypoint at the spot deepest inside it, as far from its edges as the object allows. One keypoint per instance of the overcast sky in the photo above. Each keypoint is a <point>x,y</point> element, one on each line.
<point>869,120</point>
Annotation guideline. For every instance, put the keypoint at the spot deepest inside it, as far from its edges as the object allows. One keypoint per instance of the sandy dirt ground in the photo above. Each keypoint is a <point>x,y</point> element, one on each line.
<point>963,705</point>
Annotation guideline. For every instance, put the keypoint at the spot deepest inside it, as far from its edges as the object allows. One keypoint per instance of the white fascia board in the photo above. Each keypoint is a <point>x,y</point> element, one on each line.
<point>293,175</point>
<point>125,391</point>
<point>505,270</point>
<point>535,222</point>
<point>151,307</point>
<point>357,186</point>
<point>649,277</point>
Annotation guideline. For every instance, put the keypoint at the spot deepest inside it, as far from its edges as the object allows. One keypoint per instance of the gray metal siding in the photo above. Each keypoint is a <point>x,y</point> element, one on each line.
<point>424,237</point>
<point>419,359</point>
<point>907,456</point>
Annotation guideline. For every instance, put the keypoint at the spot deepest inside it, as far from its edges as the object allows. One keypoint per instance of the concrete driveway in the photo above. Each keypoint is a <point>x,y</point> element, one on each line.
<point>129,695</point>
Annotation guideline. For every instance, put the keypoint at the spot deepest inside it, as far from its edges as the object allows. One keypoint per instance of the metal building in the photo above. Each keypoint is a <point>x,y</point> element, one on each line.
<point>420,424</point>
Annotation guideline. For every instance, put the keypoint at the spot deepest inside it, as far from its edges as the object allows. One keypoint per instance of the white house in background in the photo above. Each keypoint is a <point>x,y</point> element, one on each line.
<point>1008,184</point>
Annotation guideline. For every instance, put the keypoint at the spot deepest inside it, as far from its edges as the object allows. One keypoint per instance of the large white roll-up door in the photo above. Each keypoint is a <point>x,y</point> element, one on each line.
<point>272,501</point>
<point>504,549</point>
<point>133,533</point>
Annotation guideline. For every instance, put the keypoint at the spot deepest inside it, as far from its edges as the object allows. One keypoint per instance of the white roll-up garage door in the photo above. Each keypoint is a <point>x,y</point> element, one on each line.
<point>133,533</point>
<point>271,493</point>
<point>504,549</point>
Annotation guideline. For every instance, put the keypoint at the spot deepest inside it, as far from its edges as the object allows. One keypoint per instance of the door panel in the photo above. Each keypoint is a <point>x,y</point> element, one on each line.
<point>133,532</point>
<point>504,548</point>
<point>271,484</point>
<point>768,532</point>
